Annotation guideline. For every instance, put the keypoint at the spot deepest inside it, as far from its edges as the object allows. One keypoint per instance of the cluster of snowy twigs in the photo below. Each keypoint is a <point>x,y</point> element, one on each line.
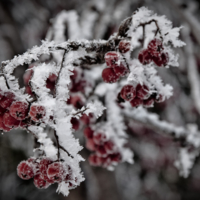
<point>96,86</point>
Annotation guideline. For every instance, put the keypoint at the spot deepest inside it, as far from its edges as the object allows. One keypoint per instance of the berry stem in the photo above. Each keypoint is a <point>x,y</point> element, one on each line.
<point>62,63</point>
<point>58,145</point>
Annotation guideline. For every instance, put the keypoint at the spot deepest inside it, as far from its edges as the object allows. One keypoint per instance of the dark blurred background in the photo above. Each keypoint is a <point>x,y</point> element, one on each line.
<point>24,23</point>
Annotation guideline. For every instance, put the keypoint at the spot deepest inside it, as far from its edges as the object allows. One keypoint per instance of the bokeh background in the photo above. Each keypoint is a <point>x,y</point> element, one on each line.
<point>24,23</point>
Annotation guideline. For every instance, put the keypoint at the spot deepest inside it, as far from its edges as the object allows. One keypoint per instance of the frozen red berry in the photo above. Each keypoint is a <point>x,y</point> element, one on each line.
<point>7,100</point>
<point>27,76</point>
<point>75,123</point>
<point>112,58</point>
<point>1,94</point>
<point>109,146</point>
<point>37,112</point>
<point>86,119</point>
<point>149,102</point>
<point>10,121</point>
<point>2,110</point>
<point>79,86</point>
<point>40,183</point>
<point>43,166</point>
<point>88,132</point>
<point>109,75</point>
<point>144,57</point>
<point>162,59</point>
<point>56,171</point>
<point>142,91</point>
<point>101,150</point>
<point>95,160</point>
<point>128,92</point>
<point>76,101</point>
<point>115,157</point>
<point>2,126</point>
<point>19,110</point>
<point>52,78</point>
<point>136,102</point>
<point>25,170</point>
<point>124,46</point>
<point>155,47</point>
<point>28,90</point>
<point>99,138</point>
<point>121,70</point>
<point>90,144</point>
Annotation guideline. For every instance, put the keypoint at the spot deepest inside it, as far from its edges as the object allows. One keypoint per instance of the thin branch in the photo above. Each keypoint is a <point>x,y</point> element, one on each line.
<point>192,69</point>
<point>152,121</point>
<point>58,145</point>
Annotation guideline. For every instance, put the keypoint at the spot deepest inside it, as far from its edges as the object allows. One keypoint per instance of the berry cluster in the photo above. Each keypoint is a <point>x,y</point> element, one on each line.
<point>15,113</point>
<point>139,95</point>
<point>78,86</point>
<point>116,65</point>
<point>154,52</point>
<point>106,153</point>
<point>45,172</point>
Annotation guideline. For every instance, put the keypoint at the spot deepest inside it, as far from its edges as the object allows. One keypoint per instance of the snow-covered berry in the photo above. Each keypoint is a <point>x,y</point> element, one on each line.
<point>19,110</point>
<point>25,170</point>
<point>128,92</point>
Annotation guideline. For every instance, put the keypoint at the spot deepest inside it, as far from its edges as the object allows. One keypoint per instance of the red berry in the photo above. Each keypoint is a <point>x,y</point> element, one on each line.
<point>161,60</point>
<point>90,145</point>
<point>2,126</point>
<point>149,102</point>
<point>28,90</point>
<point>128,92</point>
<point>88,132</point>
<point>40,183</point>
<point>121,70</point>
<point>155,47</point>
<point>99,138</point>
<point>50,85</point>
<point>10,121</point>
<point>1,94</point>
<point>43,166</point>
<point>76,101</point>
<point>159,98</point>
<point>124,46</point>
<point>56,171</point>
<point>112,58</point>
<point>136,102</point>
<point>109,75</point>
<point>19,110</point>
<point>2,110</point>
<point>85,119</point>
<point>79,86</point>
<point>52,77</point>
<point>144,57</point>
<point>75,123</point>
<point>37,112</point>
<point>25,170</point>
<point>142,91</point>
<point>109,146</point>
<point>115,157</point>
<point>27,76</point>
<point>95,160</point>
<point>7,100</point>
<point>101,150</point>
